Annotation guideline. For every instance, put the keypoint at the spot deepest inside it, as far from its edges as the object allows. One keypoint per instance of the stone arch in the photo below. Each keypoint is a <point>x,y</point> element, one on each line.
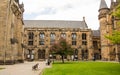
<point>30,54</point>
<point>76,54</point>
<point>84,54</point>
<point>41,54</point>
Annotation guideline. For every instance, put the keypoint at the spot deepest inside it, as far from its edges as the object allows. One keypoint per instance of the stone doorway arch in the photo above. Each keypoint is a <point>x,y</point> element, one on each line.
<point>30,54</point>
<point>84,54</point>
<point>41,54</point>
<point>76,54</point>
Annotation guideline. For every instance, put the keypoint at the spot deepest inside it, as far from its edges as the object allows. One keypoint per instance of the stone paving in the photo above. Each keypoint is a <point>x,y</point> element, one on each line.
<point>22,69</point>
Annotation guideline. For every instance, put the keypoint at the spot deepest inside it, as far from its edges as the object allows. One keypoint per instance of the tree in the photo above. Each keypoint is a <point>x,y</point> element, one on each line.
<point>61,48</point>
<point>115,37</point>
<point>117,11</point>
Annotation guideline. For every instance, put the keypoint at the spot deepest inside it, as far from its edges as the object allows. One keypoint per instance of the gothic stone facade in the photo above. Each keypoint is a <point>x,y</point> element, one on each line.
<point>40,34</point>
<point>11,27</point>
<point>108,23</point>
<point>96,44</point>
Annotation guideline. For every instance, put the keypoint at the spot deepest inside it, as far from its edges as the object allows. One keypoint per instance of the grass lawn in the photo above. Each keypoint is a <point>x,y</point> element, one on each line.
<point>83,68</point>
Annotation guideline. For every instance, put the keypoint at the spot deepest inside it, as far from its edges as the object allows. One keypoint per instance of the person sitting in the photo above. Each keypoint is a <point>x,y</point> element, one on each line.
<point>35,67</point>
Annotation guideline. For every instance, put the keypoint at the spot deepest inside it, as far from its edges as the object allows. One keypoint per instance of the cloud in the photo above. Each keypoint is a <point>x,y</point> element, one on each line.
<point>63,10</point>
<point>48,11</point>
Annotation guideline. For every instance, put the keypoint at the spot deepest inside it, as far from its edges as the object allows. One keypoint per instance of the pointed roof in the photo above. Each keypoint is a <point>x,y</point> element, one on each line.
<point>103,4</point>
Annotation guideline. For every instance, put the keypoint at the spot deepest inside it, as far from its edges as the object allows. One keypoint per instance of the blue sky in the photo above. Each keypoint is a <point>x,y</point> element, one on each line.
<point>63,10</point>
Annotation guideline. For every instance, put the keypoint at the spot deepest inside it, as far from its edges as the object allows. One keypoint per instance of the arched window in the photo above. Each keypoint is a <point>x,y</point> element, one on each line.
<point>63,35</point>
<point>95,44</point>
<point>74,37</point>
<point>41,38</point>
<point>52,38</point>
<point>30,38</point>
<point>84,36</point>
<point>41,54</point>
<point>30,35</point>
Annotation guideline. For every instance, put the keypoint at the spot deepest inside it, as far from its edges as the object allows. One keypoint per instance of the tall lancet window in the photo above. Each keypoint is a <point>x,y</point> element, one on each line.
<point>30,38</point>
<point>52,38</point>
<point>74,37</point>
<point>84,39</point>
<point>41,39</point>
<point>84,36</point>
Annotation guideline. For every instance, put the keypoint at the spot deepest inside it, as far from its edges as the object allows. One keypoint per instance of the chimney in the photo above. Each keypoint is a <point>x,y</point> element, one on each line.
<point>83,18</point>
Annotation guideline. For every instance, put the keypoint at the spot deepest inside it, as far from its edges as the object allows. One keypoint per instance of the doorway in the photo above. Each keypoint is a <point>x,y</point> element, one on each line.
<point>41,54</point>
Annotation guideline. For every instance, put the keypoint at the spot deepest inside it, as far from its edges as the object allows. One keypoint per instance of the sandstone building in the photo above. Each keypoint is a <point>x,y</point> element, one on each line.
<point>40,34</point>
<point>96,44</point>
<point>11,31</point>
<point>108,23</point>
<point>33,41</point>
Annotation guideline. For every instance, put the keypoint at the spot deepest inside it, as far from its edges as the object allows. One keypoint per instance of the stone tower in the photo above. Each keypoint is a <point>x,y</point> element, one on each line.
<point>11,27</point>
<point>104,29</point>
<point>108,23</point>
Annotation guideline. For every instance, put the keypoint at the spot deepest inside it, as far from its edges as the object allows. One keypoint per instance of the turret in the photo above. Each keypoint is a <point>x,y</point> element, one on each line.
<point>103,14</point>
<point>103,10</point>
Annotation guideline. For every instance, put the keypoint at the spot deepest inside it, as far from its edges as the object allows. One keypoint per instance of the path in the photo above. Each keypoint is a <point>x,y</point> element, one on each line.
<point>22,69</point>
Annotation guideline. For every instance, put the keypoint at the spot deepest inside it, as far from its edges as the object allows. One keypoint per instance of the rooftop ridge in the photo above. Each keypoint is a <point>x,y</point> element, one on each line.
<point>55,24</point>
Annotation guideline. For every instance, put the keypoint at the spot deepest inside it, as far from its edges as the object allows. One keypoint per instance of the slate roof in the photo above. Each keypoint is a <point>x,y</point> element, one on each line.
<point>96,32</point>
<point>103,4</point>
<point>55,24</point>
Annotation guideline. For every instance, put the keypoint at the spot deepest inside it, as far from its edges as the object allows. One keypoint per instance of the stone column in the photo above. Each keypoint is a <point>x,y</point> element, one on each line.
<point>46,53</point>
<point>79,54</point>
<point>116,49</point>
<point>90,52</point>
<point>36,53</point>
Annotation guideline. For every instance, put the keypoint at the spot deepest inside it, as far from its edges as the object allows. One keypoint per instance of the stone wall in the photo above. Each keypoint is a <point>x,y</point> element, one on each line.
<point>11,23</point>
<point>36,47</point>
<point>108,23</point>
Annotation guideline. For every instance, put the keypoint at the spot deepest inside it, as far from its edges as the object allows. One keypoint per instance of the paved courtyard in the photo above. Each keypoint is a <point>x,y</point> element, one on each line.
<point>22,69</point>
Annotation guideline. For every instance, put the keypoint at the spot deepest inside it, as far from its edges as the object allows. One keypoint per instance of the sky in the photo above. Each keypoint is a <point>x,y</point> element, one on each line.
<point>73,10</point>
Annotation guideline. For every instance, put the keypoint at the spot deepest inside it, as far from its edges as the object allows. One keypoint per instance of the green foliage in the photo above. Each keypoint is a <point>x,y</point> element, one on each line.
<point>117,12</point>
<point>83,68</point>
<point>115,37</point>
<point>61,48</point>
